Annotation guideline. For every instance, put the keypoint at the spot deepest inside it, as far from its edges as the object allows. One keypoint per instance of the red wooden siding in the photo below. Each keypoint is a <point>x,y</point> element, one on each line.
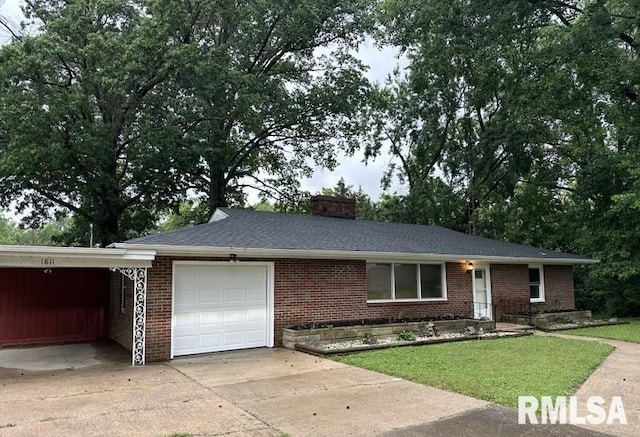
<point>64,305</point>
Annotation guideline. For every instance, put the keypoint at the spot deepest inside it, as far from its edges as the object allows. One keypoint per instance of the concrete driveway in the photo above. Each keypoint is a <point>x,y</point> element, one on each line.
<point>260,392</point>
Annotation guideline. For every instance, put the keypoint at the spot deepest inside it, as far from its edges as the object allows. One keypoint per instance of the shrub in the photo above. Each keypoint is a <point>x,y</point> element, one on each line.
<point>406,336</point>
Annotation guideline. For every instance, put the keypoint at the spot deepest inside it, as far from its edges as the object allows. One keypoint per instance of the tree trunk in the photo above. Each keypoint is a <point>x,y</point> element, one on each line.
<point>217,189</point>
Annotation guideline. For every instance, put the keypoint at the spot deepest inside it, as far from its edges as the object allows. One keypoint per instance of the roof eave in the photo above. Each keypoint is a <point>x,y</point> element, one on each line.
<point>246,252</point>
<point>49,257</point>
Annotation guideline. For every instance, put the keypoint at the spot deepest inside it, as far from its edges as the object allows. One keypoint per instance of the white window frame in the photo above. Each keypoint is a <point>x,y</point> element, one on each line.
<point>443,279</point>
<point>541,297</point>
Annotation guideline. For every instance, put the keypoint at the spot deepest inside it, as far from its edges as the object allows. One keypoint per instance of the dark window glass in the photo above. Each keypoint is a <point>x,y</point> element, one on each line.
<point>431,281</point>
<point>406,279</point>
<point>378,281</point>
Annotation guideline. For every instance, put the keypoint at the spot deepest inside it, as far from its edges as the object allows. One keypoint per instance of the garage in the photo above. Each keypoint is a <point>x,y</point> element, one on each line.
<point>221,306</point>
<point>53,306</point>
<point>57,295</point>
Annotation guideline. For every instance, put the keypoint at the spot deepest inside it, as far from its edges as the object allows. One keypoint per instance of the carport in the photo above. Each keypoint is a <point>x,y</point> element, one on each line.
<point>53,295</point>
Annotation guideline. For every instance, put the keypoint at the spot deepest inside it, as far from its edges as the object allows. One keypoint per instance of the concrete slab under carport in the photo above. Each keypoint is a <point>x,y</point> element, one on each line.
<point>64,356</point>
<point>113,398</point>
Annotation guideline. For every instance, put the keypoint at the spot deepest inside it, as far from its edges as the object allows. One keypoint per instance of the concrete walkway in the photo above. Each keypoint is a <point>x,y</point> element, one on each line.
<point>619,375</point>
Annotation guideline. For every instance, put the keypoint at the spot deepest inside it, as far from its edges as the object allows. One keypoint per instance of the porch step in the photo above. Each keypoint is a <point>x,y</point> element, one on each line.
<point>510,327</point>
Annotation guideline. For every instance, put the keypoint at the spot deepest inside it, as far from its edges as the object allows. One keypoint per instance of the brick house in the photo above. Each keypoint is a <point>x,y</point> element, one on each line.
<point>237,280</point>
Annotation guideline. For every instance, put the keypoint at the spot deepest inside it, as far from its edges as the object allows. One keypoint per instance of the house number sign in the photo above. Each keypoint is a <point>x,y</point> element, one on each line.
<point>47,261</point>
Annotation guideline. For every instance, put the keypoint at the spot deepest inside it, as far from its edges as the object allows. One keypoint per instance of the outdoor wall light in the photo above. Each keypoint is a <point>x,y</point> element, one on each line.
<point>469,266</point>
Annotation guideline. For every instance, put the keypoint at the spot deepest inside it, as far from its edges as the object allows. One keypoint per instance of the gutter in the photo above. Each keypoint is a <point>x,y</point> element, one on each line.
<point>247,252</point>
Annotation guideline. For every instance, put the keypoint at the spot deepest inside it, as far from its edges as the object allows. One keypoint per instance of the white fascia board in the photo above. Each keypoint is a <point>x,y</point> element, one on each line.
<point>245,252</point>
<point>50,257</point>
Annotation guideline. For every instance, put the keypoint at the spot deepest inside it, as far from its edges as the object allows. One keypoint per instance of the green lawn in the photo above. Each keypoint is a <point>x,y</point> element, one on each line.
<point>495,370</point>
<point>630,332</point>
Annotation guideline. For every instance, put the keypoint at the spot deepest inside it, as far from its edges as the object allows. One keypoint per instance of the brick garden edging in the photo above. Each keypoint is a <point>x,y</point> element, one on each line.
<point>319,351</point>
<point>291,338</point>
<point>587,324</point>
<point>541,320</point>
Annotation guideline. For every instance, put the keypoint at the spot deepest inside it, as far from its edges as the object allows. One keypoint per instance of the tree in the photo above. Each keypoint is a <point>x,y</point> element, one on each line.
<point>45,236</point>
<point>410,125</point>
<point>266,89</point>
<point>116,109</point>
<point>81,132</point>
<point>528,111</point>
<point>459,122</point>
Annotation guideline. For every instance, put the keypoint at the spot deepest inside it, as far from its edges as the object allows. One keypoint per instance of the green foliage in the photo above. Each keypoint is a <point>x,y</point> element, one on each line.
<point>47,235</point>
<point>80,120</point>
<point>533,141</point>
<point>258,103</point>
<point>190,212</point>
<point>494,370</point>
<point>114,109</point>
<point>9,234</point>
<point>265,206</point>
<point>406,336</point>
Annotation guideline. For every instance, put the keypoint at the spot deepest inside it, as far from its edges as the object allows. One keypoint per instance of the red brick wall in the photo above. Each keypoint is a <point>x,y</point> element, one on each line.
<point>308,290</point>
<point>510,288</point>
<point>333,206</point>
<point>325,290</point>
<point>159,293</point>
<point>305,291</point>
<point>558,288</point>
<point>121,327</point>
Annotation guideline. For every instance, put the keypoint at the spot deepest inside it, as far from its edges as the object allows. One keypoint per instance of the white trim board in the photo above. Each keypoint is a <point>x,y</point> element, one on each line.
<point>85,257</point>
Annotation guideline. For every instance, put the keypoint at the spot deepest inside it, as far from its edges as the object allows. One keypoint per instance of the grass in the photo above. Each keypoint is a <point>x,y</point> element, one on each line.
<point>494,370</point>
<point>629,332</point>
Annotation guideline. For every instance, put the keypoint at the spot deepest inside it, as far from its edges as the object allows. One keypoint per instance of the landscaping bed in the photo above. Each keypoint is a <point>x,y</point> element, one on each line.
<point>359,345</point>
<point>564,326</point>
<point>314,336</point>
<point>542,319</point>
<point>327,339</point>
<point>558,320</point>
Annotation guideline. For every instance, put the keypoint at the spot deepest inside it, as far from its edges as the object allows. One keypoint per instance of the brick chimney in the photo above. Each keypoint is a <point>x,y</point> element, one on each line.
<point>330,206</point>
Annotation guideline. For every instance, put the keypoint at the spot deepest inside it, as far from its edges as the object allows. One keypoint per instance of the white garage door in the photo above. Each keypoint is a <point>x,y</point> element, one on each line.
<point>219,308</point>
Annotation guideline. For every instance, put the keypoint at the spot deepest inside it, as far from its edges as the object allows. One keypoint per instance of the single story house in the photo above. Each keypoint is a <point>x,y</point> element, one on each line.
<point>238,280</point>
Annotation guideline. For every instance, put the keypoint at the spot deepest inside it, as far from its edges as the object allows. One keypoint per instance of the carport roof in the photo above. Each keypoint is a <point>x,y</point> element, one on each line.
<point>51,257</point>
<point>265,234</point>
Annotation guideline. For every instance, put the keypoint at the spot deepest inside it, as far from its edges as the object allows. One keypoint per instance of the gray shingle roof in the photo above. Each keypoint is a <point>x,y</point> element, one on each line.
<point>267,230</point>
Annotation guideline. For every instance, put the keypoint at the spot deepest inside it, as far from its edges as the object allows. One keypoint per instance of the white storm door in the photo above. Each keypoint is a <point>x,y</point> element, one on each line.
<point>481,293</point>
<point>219,308</point>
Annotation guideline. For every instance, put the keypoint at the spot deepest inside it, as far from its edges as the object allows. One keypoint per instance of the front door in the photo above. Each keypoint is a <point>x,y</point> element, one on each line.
<point>481,293</point>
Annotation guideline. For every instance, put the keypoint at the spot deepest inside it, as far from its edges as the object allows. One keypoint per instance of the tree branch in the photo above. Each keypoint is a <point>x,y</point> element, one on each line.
<point>264,43</point>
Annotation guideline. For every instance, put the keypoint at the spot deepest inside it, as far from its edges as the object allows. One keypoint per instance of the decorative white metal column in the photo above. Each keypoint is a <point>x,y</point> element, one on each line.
<point>139,277</point>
